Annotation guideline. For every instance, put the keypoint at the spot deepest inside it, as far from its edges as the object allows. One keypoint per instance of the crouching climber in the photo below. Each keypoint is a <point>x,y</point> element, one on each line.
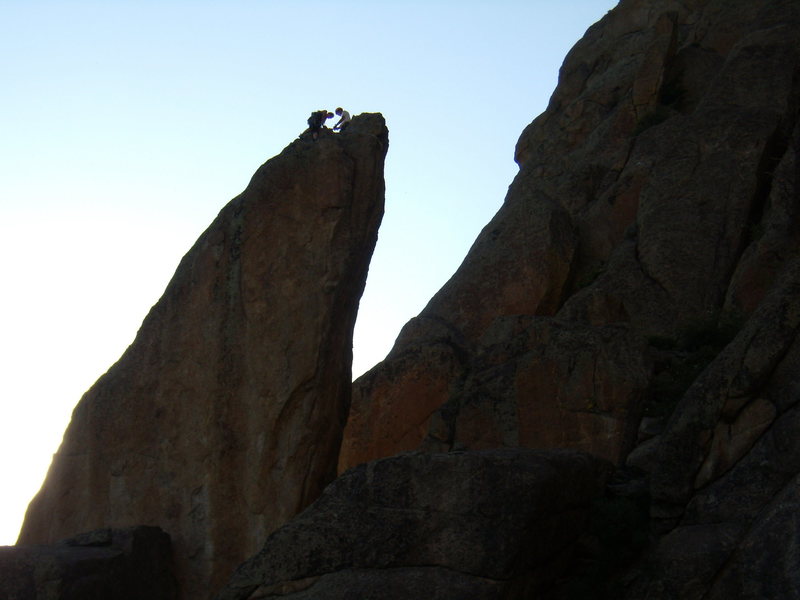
<point>317,121</point>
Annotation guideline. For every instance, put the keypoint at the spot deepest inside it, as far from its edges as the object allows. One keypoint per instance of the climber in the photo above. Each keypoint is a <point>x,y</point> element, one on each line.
<point>317,121</point>
<point>344,121</point>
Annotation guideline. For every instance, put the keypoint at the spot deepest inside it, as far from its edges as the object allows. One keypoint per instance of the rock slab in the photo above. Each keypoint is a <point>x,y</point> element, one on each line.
<point>645,262</point>
<point>474,525</point>
<point>119,564</point>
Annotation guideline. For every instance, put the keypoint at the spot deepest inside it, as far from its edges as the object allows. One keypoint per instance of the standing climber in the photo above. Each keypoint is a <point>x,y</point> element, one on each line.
<point>317,121</point>
<point>344,120</point>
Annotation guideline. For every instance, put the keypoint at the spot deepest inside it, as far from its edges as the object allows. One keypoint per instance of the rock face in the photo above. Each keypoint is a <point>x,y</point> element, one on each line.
<point>474,525</point>
<point>727,465</point>
<point>128,564</point>
<point>655,196</point>
<point>636,297</point>
<point>224,417</point>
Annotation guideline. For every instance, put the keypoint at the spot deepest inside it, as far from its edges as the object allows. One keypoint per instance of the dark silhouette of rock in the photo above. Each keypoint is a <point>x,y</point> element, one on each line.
<point>126,564</point>
<point>642,274</point>
<point>224,417</point>
<point>473,525</point>
<point>636,297</point>
<point>655,192</point>
<point>726,467</point>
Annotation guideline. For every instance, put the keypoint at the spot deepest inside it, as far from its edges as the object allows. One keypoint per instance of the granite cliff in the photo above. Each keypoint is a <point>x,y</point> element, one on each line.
<point>602,402</point>
<point>652,199</point>
<point>636,297</point>
<point>223,418</point>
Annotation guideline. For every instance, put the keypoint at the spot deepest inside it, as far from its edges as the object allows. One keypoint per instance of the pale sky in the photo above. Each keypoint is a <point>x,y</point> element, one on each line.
<point>127,125</point>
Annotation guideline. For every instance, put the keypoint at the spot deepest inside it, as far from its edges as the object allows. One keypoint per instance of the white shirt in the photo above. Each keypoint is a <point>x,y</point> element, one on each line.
<point>345,118</point>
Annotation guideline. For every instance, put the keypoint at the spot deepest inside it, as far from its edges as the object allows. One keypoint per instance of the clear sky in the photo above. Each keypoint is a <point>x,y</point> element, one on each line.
<point>125,126</point>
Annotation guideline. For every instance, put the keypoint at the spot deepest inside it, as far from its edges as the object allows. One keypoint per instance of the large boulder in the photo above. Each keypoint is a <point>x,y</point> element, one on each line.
<point>224,417</point>
<point>471,525</point>
<point>119,564</point>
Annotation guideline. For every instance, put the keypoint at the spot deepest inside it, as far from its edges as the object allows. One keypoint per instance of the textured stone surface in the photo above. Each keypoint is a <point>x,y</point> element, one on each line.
<point>764,564</point>
<point>521,391</point>
<point>475,525</point>
<point>731,441</point>
<point>729,386</point>
<point>391,408</point>
<point>695,553</point>
<point>645,262</point>
<point>723,473</point>
<point>528,381</point>
<point>129,564</point>
<point>657,190</point>
<point>518,265</point>
<point>224,417</point>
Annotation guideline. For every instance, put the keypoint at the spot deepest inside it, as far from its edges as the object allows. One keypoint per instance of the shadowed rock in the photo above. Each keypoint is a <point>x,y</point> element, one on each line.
<point>724,473</point>
<point>472,525</point>
<point>129,564</point>
<point>656,192</point>
<point>223,419</point>
<point>644,262</point>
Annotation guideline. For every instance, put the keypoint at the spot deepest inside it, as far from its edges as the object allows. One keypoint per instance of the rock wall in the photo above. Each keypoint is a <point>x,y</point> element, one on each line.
<point>655,197</point>
<point>224,417</point>
<point>636,296</point>
<point>465,525</point>
<point>724,474</point>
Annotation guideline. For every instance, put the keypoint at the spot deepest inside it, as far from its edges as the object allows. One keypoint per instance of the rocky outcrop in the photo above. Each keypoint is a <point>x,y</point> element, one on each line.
<point>224,417</point>
<point>518,391</point>
<point>656,196</point>
<point>636,297</point>
<point>127,564</point>
<point>726,467</point>
<point>474,525</point>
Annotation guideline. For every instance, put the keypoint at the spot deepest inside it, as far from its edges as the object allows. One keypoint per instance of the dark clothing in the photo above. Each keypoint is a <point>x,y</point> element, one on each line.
<point>317,119</point>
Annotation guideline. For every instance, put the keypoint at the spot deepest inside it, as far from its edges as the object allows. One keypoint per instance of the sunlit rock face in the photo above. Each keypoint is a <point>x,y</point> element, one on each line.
<point>224,417</point>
